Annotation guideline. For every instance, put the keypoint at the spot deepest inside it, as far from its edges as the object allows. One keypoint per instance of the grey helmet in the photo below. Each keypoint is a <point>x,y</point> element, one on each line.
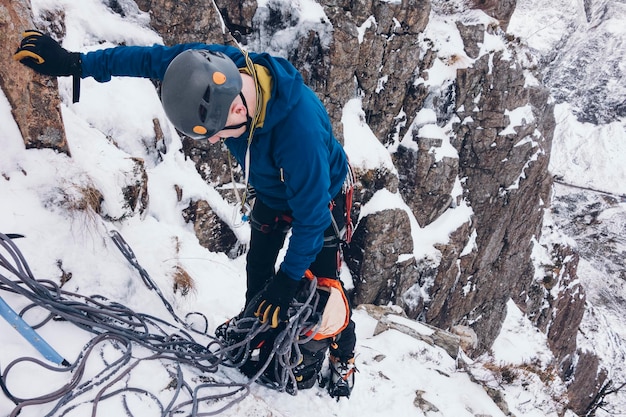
<point>198,88</point>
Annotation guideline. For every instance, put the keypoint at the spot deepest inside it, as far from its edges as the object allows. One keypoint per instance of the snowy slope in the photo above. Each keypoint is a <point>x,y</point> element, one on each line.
<point>393,366</point>
<point>581,47</point>
<point>40,191</point>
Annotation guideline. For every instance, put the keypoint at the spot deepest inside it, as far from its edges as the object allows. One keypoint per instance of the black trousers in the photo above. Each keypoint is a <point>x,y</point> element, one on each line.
<point>268,232</point>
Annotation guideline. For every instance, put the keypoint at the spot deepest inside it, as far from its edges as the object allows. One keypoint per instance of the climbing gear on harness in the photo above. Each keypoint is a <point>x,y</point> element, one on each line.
<point>340,207</point>
<point>343,234</point>
<point>348,191</point>
<point>198,89</point>
<point>341,377</point>
<point>281,223</point>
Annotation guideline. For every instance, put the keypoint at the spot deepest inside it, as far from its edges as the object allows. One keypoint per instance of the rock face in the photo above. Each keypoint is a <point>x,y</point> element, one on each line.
<point>494,124</point>
<point>500,10</point>
<point>506,182</point>
<point>180,22</point>
<point>595,96</point>
<point>33,98</point>
<point>380,276</point>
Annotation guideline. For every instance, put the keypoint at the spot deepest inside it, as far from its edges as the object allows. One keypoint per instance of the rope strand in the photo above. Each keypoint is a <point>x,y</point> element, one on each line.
<point>140,338</point>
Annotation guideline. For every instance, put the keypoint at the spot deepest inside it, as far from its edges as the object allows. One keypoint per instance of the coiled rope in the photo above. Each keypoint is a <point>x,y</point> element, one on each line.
<point>186,353</point>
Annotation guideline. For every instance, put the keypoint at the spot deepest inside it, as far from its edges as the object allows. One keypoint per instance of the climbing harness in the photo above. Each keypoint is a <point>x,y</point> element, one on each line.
<point>281,221</point>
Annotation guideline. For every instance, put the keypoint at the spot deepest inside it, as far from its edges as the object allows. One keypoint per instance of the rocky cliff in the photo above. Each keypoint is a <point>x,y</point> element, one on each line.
<point>465,121</point>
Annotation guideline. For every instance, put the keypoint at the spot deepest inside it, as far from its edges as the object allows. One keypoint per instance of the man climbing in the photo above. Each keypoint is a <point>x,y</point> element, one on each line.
<point>281,135</point>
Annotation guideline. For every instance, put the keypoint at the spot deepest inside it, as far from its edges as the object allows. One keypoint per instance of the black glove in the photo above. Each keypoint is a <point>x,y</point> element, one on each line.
<point>273,304</point>
<point>43,54</point>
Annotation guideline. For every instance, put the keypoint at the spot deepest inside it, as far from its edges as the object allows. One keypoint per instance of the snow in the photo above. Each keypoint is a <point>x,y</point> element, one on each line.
<point>508,350</point>
<point>587,160</point>
<point>109,128</point>
<point>517,117</point>
<point>363,148</point>
<point>588,155</point>
<point>544,25</point>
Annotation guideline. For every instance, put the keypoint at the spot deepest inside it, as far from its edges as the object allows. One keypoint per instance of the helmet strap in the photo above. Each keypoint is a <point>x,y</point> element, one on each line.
<point>249,120</point>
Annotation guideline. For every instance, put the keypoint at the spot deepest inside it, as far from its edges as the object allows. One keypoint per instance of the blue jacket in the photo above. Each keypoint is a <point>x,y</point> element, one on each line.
<point>296,138</point>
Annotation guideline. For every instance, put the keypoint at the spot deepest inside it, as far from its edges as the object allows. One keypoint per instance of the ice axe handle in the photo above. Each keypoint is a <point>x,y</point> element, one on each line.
<point>29,334</point>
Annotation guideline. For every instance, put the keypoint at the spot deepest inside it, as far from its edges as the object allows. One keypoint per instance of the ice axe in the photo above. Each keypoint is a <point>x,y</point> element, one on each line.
<point>30,334</point>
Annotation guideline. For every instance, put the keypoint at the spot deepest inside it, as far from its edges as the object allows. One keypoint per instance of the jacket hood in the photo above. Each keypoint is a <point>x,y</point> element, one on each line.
<point>287,84</point>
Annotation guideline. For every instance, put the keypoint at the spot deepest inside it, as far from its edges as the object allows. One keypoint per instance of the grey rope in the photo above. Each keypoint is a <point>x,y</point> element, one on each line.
<point>173,345</point>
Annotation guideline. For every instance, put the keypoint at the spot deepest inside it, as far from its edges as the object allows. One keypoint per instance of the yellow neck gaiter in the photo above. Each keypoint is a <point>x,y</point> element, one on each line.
<point>265,86</point>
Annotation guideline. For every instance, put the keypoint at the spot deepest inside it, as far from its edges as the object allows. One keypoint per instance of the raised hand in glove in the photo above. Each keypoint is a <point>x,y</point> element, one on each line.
<point>273,304</point>
<point>43,54</point>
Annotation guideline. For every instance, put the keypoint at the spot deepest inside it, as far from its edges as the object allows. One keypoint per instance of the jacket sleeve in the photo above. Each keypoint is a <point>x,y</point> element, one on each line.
<point>137,61</point>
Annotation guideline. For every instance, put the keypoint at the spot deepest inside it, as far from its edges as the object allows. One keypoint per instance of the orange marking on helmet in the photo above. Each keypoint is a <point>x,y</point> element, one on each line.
<point>200,130</point>
<point>219,78</point>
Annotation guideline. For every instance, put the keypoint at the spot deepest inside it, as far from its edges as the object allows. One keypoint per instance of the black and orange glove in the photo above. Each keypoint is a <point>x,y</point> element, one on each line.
<point>273,304</point>
<point>43,54</point>
<point>46,56</point>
